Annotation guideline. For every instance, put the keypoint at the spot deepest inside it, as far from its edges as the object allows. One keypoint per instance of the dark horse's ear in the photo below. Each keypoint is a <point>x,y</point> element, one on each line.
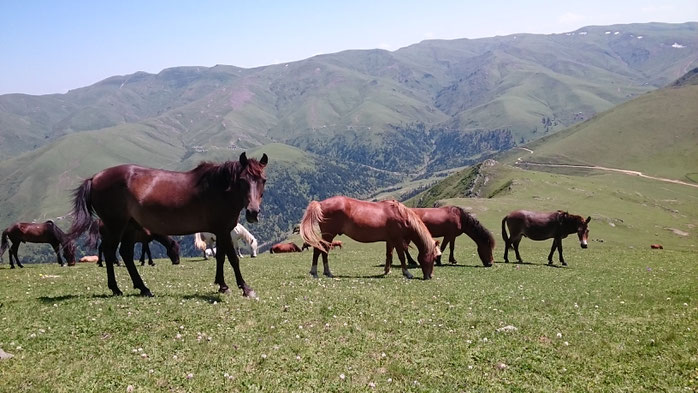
<point>243,159</point>
<point>264,159</point>
<point>588,219</point>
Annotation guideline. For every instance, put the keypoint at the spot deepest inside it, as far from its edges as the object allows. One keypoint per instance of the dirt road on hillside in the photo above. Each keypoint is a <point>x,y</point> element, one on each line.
<point>603,168</point>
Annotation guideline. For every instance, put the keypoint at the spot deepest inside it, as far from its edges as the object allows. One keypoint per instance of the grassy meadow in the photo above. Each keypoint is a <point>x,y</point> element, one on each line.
<point>616,319</point>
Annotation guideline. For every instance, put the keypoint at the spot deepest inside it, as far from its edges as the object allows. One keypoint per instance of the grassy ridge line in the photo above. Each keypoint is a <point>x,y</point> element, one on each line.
<point>656,134</point>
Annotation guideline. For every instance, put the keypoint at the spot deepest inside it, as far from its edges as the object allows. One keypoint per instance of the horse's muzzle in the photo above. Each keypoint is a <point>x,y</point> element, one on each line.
<point>251,215</point>
<point>584,245</point>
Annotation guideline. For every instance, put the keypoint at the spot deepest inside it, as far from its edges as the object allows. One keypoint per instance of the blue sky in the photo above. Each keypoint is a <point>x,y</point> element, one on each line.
<point>52,46</point>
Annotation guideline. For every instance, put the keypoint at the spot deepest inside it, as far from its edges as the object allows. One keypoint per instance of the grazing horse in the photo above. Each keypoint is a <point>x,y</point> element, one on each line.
<point>207,241</point>
<point>209,198</point>
<point>140,236</point>
<point>47,232</point>
<point>542,226</point>
<point>450,222</point>
<point>656,246</point>
<point>284,247</point>
<point>367,222</point>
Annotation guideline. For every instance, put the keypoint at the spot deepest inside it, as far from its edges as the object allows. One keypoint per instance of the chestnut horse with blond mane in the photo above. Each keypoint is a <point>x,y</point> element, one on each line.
<point>367,222</point>
<point>209,198</point>
<point>542,226</point>
<point>450,222</point>
<point>46,232</point>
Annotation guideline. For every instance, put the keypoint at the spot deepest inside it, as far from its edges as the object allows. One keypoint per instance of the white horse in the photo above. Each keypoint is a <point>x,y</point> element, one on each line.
<point>206,242</point>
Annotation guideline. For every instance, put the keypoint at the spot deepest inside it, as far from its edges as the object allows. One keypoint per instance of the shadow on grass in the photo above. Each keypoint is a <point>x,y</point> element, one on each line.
<point>210,298</point>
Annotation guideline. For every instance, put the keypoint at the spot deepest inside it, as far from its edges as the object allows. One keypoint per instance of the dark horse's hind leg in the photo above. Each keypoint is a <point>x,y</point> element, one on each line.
<point>325,264</point>
<point>452,255</point>
<point>126,252</point>
<point>145,250</point>
<point>413,263</point>
<point>109,249</point>
<point>516,249</point>
<point>13,253</point>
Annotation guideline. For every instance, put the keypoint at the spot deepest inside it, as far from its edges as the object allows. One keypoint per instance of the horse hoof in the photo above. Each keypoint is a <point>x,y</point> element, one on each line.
<point>550,263</point>
<point>117,292</point>
<point>223,290</point>
<point>146,293</point>
<point>328,275</point>
<point>408,276</point>
<point>453,262</point>
<point>314,275</point>
<point>249,293</point>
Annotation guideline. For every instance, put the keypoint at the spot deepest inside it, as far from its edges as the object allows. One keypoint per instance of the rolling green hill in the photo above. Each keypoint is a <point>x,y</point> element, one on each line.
<point>359,105</point>
<point>655,134</point>
<point>368,123</point>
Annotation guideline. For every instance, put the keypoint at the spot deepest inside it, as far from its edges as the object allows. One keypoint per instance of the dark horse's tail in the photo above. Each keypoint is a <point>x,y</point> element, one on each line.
<point>480,235</point>
<point>82,210</point>
<point>4,244</point>
<point>93,234</point>
<point>505,237</point>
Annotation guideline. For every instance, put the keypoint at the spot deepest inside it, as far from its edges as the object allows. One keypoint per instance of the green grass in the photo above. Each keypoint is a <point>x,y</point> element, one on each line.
<point>616,319</point>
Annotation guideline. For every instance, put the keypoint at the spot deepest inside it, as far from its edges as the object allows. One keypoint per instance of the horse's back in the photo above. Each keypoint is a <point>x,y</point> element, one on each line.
<point>532,224</point>
<point>441,221</point>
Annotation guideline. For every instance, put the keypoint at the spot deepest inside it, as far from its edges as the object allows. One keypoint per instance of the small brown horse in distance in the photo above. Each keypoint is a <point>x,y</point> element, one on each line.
<point>279,248</point>
<point>140,236</point>
<point>209,198</point>
<point>542,226</point>
<point>367,222</point>
<point>335,244</point>
<point>47,232</point>
<point>452,221</point>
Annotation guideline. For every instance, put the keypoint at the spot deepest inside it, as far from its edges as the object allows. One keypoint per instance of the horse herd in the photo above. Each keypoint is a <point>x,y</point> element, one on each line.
<point>138,204</point>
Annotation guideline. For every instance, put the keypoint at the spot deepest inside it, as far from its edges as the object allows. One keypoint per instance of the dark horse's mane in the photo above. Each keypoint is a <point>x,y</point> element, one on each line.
<point>479,233</point>
<point>224,175</point>
<point>568,222</point>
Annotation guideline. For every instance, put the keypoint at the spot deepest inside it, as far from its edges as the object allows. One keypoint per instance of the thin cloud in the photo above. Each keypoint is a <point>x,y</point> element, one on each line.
<point>571,18</point>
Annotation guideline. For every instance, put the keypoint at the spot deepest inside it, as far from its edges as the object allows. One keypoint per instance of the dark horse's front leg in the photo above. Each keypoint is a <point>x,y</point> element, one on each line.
<point>57,250</point>
<point>557,243</point>
<point>225,247</point>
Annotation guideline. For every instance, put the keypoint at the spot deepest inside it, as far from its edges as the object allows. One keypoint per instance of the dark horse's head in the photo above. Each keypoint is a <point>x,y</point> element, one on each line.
<point>572,223</point>
<point>173,252</point>
<point>66,244</point>
<point>251,184</point>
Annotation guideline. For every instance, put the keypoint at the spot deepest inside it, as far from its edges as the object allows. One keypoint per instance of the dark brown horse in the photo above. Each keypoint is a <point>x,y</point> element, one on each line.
<point>284,247</point>
<point>452,221</point>
<point>209,198</point>
<point>367,222</point>
<point>140,236</point>
<point>542,226</point>
<point>47,232</point>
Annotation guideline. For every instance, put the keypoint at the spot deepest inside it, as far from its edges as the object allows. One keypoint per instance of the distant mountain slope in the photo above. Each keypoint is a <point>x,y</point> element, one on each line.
<point>656,134</point>
<point>357,104</point>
